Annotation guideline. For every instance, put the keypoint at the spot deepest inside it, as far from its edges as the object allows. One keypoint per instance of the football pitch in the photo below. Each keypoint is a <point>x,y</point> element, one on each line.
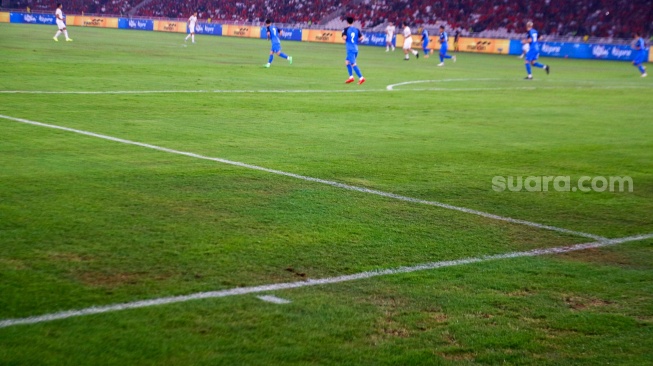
<point>171,203</point>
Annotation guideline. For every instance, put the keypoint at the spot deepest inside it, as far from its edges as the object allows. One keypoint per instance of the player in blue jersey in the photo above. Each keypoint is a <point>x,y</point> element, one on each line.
<point>444,39</point>
<point>274,35</point>
<point>425,43</point>
<point>352,37</point>
<point>533,51</point>
<point>640,53</point>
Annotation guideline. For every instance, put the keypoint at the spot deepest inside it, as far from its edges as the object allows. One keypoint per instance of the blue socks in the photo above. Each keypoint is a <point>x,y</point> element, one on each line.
<point>641,69</point>
<point>349,69</point>
<point>283,55</point>
<point>537,64</point>
<point>270,59</point>
<point>528,68</point>
<point>357,70</point>
<point>441,58</point>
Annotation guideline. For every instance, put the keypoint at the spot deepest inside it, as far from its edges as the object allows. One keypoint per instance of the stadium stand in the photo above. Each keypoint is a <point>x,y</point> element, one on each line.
<point>491,18</point>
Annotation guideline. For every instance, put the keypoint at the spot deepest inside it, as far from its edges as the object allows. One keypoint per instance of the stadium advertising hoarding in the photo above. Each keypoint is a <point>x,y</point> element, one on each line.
<point>208,28</point>
<point>323,36</point>
<point>169,26</point>
<point>287,34</point>
<point>581,50</point>
<point>4,18</point>
<point>484,45</point>
<point>373,39</point>
<point>99,22</point>
<point>140,24</point>
<point>241,31</point>
<point>32,18</point>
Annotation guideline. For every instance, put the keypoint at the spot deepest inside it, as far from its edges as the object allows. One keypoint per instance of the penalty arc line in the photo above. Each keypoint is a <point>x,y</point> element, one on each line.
<point>315,180</point>
<point>324,281</point>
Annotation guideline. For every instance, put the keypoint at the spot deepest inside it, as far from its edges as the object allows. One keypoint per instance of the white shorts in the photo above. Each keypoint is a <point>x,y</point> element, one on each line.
<point>61,24</point>
<point>191,28</point>
<point>388,39</point>
<point>408,43</point>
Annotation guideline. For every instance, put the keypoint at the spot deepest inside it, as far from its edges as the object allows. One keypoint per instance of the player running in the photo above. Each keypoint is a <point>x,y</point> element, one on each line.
<point>425,42</point>
<point>389,35</point>
<point>408,42</point>
<point>533,52</point>
<point>191,27</point>
<point>640,53</point>
<point>273,35</point>
<point>352,37</point>
<point>444,45</point>
<point>60,24</point>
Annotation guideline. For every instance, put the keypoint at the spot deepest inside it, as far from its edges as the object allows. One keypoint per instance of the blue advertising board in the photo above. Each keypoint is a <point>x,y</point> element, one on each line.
<point>287,34</point>
<point>375,39</point>
<point>140,24</point>
<point>208,28</point>
<point>32,18</point>
<point>580,50</point>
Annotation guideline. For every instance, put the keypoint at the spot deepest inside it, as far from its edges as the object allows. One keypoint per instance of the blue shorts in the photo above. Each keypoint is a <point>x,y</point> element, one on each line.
<point>276,47</point>
<point>351,57</point>
<point>425,46</point>
<point>639,59</point>
<point>443,49</point>
<point>532,55</point>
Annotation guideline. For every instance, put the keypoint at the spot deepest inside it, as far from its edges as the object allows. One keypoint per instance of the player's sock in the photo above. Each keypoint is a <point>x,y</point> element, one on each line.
<point>415,52</point>
<point>642,69</point>
<point>447,56</point>
<point>283,55</point>
<point>350,70</point>
<point>186,39</point>
<point>358,71</point>
<point>528,69</point>
<point>270,59</point>
<point>65,33</point>
<point>441,58</point>
<point>193,38</point>
<point>537,64</point>
<point>58,34</point>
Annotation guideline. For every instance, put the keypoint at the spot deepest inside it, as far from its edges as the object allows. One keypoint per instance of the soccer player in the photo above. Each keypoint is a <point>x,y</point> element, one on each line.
<point>61,25</point>
<point>640,54</point>
<point>444,39</point>
<point>425,42</point>
<point>352,37</point>
<point>389,35</point>
<point>533,52</point>
<point>273,35</point>
<point>408,42</point>
<point>191,27</point>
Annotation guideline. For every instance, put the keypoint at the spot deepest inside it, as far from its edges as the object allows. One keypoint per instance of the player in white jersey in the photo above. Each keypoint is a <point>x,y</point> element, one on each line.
<point>408,42</point>
<point>191,27</point>
<point>389,35</point>
<point>61,25</point>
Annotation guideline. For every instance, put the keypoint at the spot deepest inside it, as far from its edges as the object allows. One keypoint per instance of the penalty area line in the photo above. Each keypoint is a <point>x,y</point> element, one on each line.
<point>315,180</point>
<point>324,281</point>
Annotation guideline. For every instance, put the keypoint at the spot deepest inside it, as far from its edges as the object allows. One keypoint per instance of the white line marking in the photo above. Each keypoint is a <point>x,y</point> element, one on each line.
<point>316,180</point>
<point>324,281</point>
<point>391,86</point>
<point>274,299</point>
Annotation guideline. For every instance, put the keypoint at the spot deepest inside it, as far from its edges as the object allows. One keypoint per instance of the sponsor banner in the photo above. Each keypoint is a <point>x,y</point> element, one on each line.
<point>4,17</point>
<point>287,34</point>
<point>484,45</point>
<point>169,26</point>
<point>241,31</point>
<point>324,36</point>
<point>373,39</point>
<point>581,51</point>
<point>140,24</point>
<point>32,18</point>
<point>99,22</point>
<point>650,55</point>
<point>208,28</point>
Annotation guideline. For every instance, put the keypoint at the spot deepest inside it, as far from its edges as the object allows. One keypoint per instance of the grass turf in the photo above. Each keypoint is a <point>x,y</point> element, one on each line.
<point>88,222</point>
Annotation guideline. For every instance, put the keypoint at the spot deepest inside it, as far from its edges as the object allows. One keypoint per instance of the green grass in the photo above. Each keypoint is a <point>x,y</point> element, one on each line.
<point>86,222</point>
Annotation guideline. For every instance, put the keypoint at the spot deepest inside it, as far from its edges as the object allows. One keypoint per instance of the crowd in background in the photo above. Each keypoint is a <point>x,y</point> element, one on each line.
<point>600,18</point>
